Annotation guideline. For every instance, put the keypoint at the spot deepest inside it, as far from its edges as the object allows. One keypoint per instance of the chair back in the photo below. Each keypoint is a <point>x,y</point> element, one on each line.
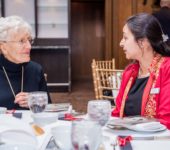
<point>106,79</point>
<point>45,76</point>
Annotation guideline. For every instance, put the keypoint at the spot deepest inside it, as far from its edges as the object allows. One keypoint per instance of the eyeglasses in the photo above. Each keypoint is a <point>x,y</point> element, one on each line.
<point>22,42</point>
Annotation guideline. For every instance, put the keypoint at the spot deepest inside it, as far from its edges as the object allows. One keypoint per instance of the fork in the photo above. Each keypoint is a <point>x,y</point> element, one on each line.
<point>114,143</point>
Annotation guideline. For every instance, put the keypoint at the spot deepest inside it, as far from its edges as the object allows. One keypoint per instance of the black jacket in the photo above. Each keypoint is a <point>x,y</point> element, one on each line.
<point>33,81</point>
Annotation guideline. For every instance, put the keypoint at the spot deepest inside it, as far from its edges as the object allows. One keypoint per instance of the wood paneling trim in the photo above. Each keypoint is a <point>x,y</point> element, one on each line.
<point>122,10</point>
<point>82,1</point>
<point>134,6</point>
<point>116,12</point>
<point>87,37</point>
<point>144,8</point>
<point>108,29</point>
<point>115,33</point>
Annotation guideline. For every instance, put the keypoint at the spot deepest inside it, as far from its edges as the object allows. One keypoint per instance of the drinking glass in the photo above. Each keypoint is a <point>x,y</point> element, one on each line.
<point>99,111</point>
<point>86,135</point>
<point>37,101</point>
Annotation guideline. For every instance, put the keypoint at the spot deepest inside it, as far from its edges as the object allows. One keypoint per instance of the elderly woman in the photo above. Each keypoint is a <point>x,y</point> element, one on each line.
<point>146,82</point>
<point>18,75</point>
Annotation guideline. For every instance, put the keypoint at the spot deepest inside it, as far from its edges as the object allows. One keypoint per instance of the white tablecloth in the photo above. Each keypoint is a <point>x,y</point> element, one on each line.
<point>137,144</point>
<point>109,136</point>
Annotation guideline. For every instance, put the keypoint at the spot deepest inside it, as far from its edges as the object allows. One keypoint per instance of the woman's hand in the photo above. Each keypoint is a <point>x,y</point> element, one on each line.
<point>21,99</point>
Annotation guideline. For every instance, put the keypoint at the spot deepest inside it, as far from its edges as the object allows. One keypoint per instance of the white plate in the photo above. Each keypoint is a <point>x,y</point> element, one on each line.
<point>16,131</point>
<point>128,121</point>
<point>148,127</point>
<point>136,123</point>
<point>17,147</point>
<point>57,107</point>
<point>141,127</point>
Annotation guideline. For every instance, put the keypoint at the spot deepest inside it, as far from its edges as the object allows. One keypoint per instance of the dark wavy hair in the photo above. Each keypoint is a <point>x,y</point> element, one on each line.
<point>144,25</point>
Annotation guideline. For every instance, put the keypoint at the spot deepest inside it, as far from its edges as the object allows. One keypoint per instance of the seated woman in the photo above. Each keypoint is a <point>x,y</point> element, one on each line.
<point>18,75</point>
<point>146,82</point>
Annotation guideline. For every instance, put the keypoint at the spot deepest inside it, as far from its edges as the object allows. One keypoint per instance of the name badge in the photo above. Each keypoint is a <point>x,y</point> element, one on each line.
<point>155,91</point>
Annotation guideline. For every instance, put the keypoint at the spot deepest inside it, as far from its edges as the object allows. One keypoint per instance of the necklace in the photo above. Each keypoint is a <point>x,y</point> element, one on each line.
<point>22,80</point>
<point>140,75</point>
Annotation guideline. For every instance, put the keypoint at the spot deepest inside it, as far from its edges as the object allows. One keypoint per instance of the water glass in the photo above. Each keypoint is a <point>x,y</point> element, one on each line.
<point>86,135</point>
<point>99,111</point>
<point>37,101</point>
<point>3,110</point>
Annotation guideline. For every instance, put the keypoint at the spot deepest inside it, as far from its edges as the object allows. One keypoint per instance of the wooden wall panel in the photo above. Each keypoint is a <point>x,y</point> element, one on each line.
<point>117,11</point>
<point>96,31</point>
<point>122,10</point>
<point>87,36</point>
<point>141,7</point>
<point>108,29</point>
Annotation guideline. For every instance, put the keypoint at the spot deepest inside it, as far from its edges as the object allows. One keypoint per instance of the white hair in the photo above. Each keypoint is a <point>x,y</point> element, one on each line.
<point>12,24</point>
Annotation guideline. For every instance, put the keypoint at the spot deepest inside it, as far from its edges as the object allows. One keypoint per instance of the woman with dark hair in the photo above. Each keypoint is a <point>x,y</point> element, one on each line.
<point>146,82</point>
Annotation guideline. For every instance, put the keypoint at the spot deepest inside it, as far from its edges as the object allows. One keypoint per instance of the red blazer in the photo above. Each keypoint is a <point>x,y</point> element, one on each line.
<point>162,97</point>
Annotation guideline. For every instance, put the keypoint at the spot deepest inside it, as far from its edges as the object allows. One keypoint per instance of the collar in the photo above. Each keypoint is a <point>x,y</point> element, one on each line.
<point>10,66</point>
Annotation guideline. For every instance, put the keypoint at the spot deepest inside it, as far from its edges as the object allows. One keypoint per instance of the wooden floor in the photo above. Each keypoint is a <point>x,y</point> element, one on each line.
<point>81,93</point>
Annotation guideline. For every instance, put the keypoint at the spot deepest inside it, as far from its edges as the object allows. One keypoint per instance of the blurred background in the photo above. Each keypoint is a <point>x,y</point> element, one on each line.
<point>69,34</point>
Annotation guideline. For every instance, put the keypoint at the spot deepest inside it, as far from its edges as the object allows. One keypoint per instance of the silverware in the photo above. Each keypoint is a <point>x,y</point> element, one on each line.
<point>1,143</point>
<point>151,138</point>
<point>166,137</point>
<point>114,143</point>
<point>150,127</point>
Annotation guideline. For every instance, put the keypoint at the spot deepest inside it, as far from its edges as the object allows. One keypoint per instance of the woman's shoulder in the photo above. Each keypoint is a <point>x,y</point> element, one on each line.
<point>33,65</point>
<point>132,67</point>
<point>131,70</point>
<point>166,62</point>
<point>165,66</point>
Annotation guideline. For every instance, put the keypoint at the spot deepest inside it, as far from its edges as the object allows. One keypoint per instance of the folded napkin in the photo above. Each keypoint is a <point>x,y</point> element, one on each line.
<point>124,142</point>
<point>70,117</point>
<point>128,146</point>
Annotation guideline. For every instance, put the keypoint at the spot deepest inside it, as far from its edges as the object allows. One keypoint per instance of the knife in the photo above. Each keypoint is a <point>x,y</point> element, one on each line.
<point>166,137</point>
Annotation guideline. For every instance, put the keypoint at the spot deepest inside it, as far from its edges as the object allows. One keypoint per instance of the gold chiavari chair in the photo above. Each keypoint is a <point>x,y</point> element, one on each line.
<point>106,79</point>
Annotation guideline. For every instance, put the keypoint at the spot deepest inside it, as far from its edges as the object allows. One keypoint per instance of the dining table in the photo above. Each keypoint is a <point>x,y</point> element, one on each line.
<point>140,140</point>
